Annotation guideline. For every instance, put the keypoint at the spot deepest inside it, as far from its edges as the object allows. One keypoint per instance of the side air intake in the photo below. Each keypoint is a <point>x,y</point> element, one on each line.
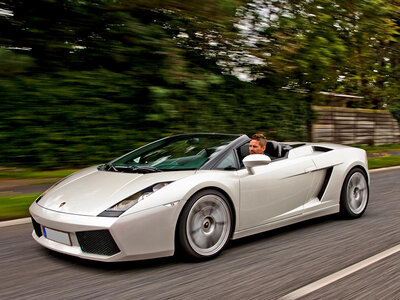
<point>325,184</point>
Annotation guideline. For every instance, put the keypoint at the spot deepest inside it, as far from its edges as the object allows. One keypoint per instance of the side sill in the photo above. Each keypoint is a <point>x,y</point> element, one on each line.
<point>296,219</point>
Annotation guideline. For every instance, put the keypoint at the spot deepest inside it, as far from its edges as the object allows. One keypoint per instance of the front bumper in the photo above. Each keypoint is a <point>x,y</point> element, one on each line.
<point>141,235</point>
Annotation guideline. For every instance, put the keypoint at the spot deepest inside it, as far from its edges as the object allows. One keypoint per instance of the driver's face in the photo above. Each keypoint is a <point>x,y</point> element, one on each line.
<point>255,147</point>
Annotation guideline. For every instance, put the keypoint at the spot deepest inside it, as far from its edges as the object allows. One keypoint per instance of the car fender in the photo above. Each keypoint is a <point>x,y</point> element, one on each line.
<point>342,160</point>
<point>175,195</point>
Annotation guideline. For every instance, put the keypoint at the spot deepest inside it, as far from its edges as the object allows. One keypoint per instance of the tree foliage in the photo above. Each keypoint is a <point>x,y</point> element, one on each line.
<point>340,46</point>
<point>84,81</point>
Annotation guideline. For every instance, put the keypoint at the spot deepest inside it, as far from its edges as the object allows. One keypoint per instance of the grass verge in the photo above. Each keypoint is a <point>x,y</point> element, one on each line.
<point>383,162</point>
<point>32,174</point>
<point>13,207</point>
<point>380,148</point>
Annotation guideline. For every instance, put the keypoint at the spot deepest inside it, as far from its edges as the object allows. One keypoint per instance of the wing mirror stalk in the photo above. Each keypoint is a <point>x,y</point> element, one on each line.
<point>255,160</point>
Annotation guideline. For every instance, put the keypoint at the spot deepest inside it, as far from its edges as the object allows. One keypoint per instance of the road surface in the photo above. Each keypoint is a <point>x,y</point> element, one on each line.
<point>266,266</point>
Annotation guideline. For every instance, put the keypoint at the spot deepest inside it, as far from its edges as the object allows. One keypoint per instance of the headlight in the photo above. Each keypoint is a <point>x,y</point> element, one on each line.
<point>122,206</point>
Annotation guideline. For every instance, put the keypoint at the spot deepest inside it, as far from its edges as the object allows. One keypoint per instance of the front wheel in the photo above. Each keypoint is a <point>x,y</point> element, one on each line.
<point>355,194</point>
<point>205,225</point>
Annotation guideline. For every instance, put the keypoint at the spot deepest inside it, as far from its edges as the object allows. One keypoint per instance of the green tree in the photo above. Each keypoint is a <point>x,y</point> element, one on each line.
<point>85,81</point>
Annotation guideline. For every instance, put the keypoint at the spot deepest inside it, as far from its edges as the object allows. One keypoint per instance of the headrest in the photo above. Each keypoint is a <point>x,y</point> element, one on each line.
<point>273,149</point>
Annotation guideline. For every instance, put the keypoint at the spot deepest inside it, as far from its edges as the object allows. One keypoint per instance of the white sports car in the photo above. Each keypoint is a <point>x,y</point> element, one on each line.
<point>195,192</point>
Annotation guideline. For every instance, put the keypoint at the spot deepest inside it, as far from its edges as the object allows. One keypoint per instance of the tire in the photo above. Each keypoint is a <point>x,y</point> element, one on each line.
<point>355,194</point>
<point>205,225</point>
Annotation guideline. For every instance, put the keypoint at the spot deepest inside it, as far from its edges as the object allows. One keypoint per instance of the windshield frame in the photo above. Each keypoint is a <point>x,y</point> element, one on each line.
<point>208,164</point>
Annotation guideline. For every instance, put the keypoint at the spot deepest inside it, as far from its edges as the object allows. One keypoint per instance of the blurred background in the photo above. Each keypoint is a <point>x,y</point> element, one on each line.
<point>82,82</point>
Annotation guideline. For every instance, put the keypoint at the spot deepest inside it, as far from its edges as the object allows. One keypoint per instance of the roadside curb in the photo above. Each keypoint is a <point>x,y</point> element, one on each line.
<point>15,222</point>
<point>384,169</point>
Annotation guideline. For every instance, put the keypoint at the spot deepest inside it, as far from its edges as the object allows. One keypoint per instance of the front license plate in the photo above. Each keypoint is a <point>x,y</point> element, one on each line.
<point>56,236</point>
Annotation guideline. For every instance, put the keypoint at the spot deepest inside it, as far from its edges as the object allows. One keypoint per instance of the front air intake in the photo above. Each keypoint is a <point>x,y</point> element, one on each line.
<point>36,227</point>
<point>97,242</point>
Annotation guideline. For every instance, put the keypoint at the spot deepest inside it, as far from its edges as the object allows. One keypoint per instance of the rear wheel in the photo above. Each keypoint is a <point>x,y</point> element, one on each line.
<point>355,194</point>
<point>205,225</point>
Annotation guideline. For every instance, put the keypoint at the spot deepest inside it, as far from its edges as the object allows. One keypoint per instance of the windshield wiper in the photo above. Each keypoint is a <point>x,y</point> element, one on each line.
<point>140,170</point>
<point>107,167</point>
<point>128,169</point>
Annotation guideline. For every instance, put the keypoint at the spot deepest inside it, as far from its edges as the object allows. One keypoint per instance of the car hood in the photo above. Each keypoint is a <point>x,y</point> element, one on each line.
<point>90,191</point>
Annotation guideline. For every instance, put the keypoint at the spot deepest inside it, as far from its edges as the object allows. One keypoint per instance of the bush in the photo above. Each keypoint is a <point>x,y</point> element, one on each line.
<point>73,119</point>
<point>395,110</point>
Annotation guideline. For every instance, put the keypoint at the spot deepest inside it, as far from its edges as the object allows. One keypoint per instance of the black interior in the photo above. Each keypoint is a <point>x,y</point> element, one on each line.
<point>243,151</point>
<point>273,149</point>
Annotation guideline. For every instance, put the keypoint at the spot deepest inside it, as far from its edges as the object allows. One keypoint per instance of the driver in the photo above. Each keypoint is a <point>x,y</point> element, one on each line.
<point>257,144</point>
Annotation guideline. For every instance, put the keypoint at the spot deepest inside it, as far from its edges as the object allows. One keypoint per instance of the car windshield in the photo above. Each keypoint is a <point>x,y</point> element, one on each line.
<point>182,152</point>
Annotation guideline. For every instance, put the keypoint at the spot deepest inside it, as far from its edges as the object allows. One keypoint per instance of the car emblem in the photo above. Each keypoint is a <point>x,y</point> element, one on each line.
<point>62,204</point>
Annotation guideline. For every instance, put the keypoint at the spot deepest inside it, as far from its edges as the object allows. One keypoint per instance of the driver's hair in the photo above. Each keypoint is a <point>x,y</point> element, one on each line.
<point>261,138</point>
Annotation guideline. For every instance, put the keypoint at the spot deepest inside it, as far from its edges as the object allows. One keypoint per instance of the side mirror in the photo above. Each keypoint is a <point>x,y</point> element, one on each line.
<point>254,160</point>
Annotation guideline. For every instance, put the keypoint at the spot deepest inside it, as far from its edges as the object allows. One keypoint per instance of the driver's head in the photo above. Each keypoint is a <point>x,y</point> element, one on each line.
<point>257,144</point>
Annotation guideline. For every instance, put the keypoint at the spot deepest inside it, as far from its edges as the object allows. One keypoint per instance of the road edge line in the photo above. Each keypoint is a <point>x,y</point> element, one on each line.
<point>316,285</point>
<point>15,222</point>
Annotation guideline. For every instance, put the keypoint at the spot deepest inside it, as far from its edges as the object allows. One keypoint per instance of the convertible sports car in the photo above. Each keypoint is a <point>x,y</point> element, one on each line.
<point>195,192</point>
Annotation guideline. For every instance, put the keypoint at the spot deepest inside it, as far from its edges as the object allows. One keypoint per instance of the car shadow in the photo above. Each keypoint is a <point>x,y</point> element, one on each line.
<point>181,260</point>
<point>111,266</point>
<point>265,235</point>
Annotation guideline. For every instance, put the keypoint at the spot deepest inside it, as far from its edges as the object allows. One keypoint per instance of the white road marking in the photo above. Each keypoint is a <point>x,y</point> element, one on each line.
<point>15,222</point>
<point>309,288</point>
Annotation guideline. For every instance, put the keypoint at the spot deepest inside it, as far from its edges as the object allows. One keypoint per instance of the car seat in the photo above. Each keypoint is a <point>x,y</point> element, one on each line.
<point>273,150</point>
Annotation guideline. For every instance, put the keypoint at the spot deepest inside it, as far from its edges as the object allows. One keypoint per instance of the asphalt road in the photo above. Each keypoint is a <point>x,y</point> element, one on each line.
<point>266,266</point>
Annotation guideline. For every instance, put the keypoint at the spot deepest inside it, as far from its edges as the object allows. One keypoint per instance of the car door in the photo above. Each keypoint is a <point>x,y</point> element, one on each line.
<point>275,191</point>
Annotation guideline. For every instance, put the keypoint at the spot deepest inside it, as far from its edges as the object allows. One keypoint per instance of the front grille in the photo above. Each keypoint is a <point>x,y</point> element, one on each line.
<point>97,242</point>
<point>36,227</point>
